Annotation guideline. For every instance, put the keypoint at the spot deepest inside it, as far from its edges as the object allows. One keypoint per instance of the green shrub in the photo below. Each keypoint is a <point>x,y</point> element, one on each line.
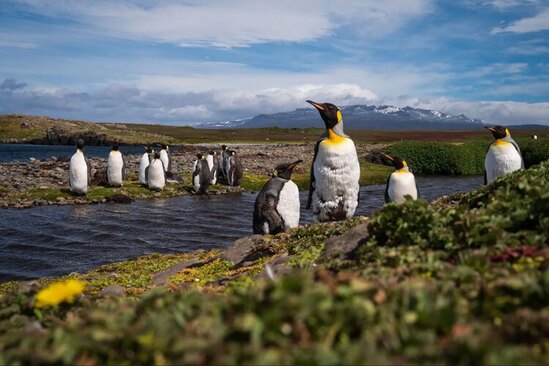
<point>435,158</point>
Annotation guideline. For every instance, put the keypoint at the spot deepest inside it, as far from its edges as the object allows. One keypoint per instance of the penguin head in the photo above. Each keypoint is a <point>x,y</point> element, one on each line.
<point>211,152</point>
<point>148,150</point>
<point>80,144</point>
<point>164,147</point>
<point>223,147</point>
<point>398,163</point>
<point>285,170</point>
<point>331,115</point>
<point>200,156</point>
<point>115,146</point>
<point>499,132</point>
<point>157,155</point>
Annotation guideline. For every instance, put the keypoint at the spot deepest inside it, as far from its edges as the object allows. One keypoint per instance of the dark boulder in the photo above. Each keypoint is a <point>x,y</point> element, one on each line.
<point>119,198</point>
<point>248,249</point>
<point>342,247</point>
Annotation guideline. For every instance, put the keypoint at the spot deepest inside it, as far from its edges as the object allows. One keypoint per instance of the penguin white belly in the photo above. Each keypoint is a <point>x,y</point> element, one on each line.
<point>501,159</point>
<point>164,158</point>
<point>210,160</point>
<point>157,175</point>
<point>143,164</point>
<point>288,205</point>
<point>114,169</point>
<point>400,185</point>
<point>196,178</point>
<point>78,173</point>
<point>337,174</point>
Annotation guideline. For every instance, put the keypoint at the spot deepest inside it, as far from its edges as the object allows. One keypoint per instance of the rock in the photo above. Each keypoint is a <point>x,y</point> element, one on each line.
<point>342,246</point>
<point>249,248</point>
<point>113,291</point>
<point>33,160</point>
<point>119,198</point>
<point>99,178</point>
<point>161,278</point>
<point>25,125</point>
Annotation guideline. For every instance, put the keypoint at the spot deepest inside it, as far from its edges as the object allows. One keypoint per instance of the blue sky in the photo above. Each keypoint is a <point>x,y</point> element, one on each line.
<point>194,61</point>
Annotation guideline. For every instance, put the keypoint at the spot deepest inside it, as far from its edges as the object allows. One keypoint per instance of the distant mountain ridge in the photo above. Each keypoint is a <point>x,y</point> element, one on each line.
<point>359,117</point>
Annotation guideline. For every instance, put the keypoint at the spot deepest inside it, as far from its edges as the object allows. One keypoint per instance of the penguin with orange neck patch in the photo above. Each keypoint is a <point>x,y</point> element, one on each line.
<point>400,183</point>
<point>335,172</point>
<point>503,155</point>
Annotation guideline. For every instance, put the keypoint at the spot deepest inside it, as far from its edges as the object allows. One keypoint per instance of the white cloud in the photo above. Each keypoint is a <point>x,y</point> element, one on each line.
<point>497,69</point>
<point>494,112</point>
<point>539,22</point>
<point>504,4</point>
<point>235,23</point>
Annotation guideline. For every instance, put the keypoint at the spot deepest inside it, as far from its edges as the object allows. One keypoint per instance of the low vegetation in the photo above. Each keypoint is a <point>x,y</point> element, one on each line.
<point>436,158</point>
<point>462,281</point>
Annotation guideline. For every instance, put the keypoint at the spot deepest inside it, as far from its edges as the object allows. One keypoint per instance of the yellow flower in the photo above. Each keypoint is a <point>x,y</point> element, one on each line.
<point>59,292</point>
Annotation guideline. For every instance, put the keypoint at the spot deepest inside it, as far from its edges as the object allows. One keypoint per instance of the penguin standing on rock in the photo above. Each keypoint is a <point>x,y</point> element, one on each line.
<point>211,158</point>
<point>146,159</point>
<point>400,183</point>
<point>503,155</point>
<point>116,168</point>
<point>225,153</point>
<point>335,172</point>
<point>156,174</point>
<point>79,171</point>
<point>166,158</point>
<point>201,175</point>
<point>277,204</point>
<point>235,171</point>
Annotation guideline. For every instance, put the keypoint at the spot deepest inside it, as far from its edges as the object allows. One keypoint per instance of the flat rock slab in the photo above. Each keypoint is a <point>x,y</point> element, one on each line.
<point>342,246</point>
<point>113,291</point>
<point>161,278</point>
<point>119,198</point>
<point>248,249</point>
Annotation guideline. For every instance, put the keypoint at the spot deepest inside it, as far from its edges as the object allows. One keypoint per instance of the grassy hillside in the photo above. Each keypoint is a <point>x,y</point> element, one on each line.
<point>35,127</point>
<point>463,281</point>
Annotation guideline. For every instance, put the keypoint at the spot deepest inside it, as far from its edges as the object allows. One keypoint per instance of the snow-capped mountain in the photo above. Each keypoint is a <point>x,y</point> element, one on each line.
<point>357,117</point>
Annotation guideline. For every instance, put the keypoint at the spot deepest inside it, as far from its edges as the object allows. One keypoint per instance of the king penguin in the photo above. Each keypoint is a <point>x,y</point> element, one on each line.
<point>201,175</point>
<point>235,170</point>
<point>116,168</point>
<point>400,183</point>
<point>503,155</point>
<point>79,171</point>
<point>211,158</point>
<point>335,172</point>
<point>277,204</point>
<point>156,174</point>
<point>166,158</point>
<point>146,159</point>
<point>225,153</point>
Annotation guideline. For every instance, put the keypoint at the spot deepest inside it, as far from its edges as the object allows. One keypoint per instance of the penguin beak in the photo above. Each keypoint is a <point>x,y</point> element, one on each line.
<point>492,129</point>
<point>292,165</point>
<point>388,157</point>
<point>318,106</point>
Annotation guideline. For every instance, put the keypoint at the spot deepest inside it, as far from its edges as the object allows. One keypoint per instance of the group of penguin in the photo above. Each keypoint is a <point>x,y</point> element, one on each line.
<point>334,177</point>
<point>335,173</point>
<point>155,169</point>
<point>209,167</point>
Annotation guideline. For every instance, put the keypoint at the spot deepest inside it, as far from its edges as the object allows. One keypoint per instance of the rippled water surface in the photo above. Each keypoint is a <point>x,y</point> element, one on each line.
<point>55,240</point>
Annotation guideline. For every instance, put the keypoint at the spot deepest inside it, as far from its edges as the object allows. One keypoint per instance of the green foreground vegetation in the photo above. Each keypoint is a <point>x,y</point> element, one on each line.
<point>462,281</point>
<point>436,158</point>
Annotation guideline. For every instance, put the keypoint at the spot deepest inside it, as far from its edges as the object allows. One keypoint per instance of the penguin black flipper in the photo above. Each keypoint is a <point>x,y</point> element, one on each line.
<point>312,176</point>
<point>169,160</point>
<point>485,178</point>
<point>267,213</point>
<point>417,190</point>
<point>89,170</point>
<point>147,173</point>
<point>387,198</point>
